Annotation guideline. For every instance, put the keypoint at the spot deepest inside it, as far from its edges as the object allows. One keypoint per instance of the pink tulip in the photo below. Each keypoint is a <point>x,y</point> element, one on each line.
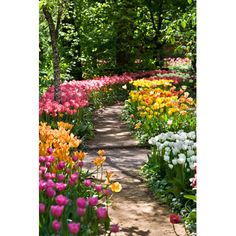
<point>50,150</point>
<point>50,192</point>
<point>57,210</point>
<point>50,158</point>
<point>81,202</point>
<point>41,207</point>
<point>74,228</point>
<point>98,188</point>
<point>87,182</point>
<point>101,213</point>
<point>42,159</point>
<point>56,225</point>
<point>107,192</point>
<point>47,164</point>
<point>60,186</point>
<point>50,182</point>
<point>61,200</point>
<point>93,201</point>
<point>81,211</point>
<point>74,177</point>
<point>60,177</point>
<point>74,158</point>
<point>61,165</point>
<point>114,228</point>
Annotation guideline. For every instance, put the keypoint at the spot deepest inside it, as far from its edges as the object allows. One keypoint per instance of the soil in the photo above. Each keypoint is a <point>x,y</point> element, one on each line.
<point>134,208</point>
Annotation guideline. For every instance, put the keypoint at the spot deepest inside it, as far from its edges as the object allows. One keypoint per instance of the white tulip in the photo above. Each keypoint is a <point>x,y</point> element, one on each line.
<point>166,158</point>
<point>174,161</point>
<point>170,166</point>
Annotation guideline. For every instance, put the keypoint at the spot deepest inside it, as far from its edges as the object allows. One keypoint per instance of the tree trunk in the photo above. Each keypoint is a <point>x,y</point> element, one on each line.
<point>56,61</point>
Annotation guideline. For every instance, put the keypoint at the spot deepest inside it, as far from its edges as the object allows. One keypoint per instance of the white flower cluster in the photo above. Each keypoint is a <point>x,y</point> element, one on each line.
<point>177,148</point>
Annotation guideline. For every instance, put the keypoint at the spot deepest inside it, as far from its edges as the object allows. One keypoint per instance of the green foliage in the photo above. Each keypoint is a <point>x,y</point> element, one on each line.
<point>107,37</point>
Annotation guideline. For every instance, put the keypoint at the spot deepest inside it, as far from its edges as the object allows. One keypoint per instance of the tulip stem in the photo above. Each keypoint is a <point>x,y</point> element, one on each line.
<point>175,230</point>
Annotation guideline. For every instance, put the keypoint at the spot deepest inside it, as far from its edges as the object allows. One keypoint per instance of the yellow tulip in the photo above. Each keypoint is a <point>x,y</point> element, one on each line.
<point>116,187</point>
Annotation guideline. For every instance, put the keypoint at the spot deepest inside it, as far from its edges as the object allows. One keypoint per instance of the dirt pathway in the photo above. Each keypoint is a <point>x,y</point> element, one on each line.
<point>136,212</point>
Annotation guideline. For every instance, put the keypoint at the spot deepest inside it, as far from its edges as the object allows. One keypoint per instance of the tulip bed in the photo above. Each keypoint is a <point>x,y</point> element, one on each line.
<point>73,199</point>
<point>80,98</point>
<point>160,112</point>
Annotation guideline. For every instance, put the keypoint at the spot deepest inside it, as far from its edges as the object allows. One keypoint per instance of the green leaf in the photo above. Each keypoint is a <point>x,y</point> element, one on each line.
<point>189,1</point>
<point>192,197</point>
<point>183,24</point>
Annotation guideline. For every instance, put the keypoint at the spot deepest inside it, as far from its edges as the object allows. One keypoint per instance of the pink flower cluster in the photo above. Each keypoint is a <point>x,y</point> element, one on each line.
<point>177,61</point>
<point>75,94</point>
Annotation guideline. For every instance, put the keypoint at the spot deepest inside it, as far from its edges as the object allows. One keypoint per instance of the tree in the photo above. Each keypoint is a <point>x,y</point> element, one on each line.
<point>47,7</point>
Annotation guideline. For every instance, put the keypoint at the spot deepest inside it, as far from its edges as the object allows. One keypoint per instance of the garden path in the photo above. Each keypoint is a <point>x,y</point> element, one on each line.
<point>134,209</point>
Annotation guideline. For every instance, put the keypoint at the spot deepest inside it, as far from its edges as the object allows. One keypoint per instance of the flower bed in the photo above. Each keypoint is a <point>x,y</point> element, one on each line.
<point>156,106</point>
<point>171,173</point>
<point>72,200</point>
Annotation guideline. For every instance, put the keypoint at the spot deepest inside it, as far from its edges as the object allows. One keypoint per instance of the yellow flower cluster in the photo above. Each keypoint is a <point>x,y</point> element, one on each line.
<point>153,101</point>
<point>144,83</point>
<point>61,140</point>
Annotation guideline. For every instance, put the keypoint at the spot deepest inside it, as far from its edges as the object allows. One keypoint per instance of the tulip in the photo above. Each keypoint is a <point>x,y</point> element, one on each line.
<point>60,177</point>
<point>50,150</point>
<point>98,188</point>
<point>74,177</point>
<point>50,182</point>
<point>74,158</point>
<point>93,201</point>
<point>41,207</point>
<point>74,228</point>
<point>57,210</point>
<point>56,225</point>
<point>81,164</point>
<point>101,213</point>
<point>50,192</point>
<point>50,158</point>
<point>107,192</point>
<point>61,165</point>
<point>61,200</point>
<point>175,219</point>
<point>81,202</point>
<point>87,182</point>
<point>81,211</point>
<point>42,159</point>
<point>60,186</point>
<point>114,228</point>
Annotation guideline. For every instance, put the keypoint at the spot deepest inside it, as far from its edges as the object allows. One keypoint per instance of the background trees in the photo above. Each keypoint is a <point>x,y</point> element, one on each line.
<point>100,37</point>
